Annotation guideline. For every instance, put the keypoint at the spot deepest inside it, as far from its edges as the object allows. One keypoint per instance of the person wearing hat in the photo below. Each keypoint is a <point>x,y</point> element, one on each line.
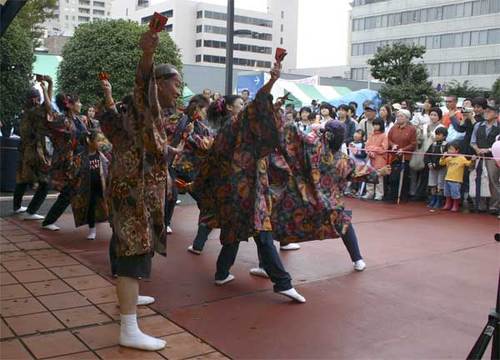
<point>482,140</point>
<point>366,124</point>
<point>137,182</point>
<point>34,159</point>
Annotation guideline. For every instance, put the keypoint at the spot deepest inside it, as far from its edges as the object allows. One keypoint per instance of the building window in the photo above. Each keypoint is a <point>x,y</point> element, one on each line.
<point>169,28</point>
<point>99,3</point>
<point>198,58</point>
<point>142,3</point>
<point>198,29</point>
<point>98,12</point>
<point>168,13</point>
<point>199,14</point>
<point>282,14</point>
<point>84,11</point>
<point>239,19</point>
<point>281,41</point>
<point>198,43</point>
<point>447,12</point>
<point>281,27</point>
<point>83,19</point>
<point>84,2</point>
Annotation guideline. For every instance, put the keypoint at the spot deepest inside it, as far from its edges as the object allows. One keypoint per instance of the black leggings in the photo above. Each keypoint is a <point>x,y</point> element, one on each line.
<point>95,194</point>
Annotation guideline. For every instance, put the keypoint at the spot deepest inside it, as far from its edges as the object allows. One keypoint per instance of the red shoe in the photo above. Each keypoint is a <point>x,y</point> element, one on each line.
<point>456,205</point>
<point>448,204</point>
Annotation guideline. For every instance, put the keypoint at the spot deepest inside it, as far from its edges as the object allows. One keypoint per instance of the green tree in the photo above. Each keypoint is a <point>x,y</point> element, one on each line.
<point>16,54</point>
<point>33,14</point>
<point>111,46</point>
<point>495,90</point>
<point>404,78</point>
<point>464,90</point>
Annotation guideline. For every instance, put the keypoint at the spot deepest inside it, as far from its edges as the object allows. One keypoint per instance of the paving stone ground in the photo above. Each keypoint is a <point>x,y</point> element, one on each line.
<point>54,307</point>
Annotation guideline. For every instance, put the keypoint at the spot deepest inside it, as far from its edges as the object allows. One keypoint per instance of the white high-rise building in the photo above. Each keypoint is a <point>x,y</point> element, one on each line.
<point>71,13</point>
<point>199,30</point>
<point>462,37</point>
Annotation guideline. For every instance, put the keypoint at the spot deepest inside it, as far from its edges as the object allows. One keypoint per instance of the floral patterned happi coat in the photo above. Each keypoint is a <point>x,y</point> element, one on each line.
<point>68,136</point>
<point>227,185</point>
<point>138,171</point>
<point>34,159</point>
<point>309,204</point>
<point>187,163</point>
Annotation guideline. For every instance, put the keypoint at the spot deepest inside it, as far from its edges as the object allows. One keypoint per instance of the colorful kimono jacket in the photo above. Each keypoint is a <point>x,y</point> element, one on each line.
<point>34,159</point>
<point>309,204</point>
<point>68,136</point>
<point>138,171</point>
<point>80,201</point>
<point>187,163</point>
<point>227,185</point>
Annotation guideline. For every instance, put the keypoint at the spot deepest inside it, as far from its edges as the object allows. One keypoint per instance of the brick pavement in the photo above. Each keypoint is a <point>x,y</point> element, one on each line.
<point>54,307</point>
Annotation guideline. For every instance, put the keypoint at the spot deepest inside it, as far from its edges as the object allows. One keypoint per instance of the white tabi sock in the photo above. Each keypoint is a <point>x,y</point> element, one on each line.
<point>131,336</point>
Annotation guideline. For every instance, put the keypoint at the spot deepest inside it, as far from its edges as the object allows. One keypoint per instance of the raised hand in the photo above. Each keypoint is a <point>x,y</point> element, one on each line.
<point>149,42</point>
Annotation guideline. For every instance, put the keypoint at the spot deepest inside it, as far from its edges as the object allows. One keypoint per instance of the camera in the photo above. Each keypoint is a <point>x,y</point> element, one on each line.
<point>467,110</point>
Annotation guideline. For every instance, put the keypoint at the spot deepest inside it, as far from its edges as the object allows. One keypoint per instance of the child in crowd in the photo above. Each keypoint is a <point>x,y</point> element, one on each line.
<point>357,153</point>
<point>376,146</point>
<point>455,166</point>
<point>436,171</point>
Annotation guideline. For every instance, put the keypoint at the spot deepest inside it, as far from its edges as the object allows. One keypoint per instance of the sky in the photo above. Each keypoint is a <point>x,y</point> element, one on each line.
<point>323,29</point>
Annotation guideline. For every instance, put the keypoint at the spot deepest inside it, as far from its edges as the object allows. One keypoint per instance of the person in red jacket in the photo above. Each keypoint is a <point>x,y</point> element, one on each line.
<point>403,141</point>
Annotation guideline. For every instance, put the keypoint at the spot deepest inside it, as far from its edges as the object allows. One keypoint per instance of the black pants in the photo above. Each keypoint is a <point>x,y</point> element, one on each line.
<point>38,198</point>
<point>170,203</point>
<point>135,266</point>
<point>394,181</point>
<point>268,256</point>
<point>95,194</point>
<point>62,202</point>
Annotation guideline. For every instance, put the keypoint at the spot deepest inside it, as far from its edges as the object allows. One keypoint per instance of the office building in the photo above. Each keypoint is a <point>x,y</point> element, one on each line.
<point>71,13</point>
<point>462,38</point>
<point>199,30</point>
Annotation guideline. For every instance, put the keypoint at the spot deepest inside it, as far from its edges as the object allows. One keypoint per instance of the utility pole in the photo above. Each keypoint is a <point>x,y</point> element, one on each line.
<point>229,47</point>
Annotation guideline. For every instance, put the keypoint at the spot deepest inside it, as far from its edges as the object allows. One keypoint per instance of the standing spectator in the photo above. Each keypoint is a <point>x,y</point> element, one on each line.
<point>436,171</point>
<point>350,125</point>
<point>366,124</point>
<point>385,114</point>
<point>245,95</point>
<point>326,113</point>
<point>451,105</point>
<point>290,116</point>
<point>314,106</point>
<point>216,96</point>
<point>407,105</point>
<point>480,104</point>
<point>354,114</point>
<point>482,140</point>
<point>455,166</point>
<point>207,93</point>
<point>376,147</point>
<point>402,139</point>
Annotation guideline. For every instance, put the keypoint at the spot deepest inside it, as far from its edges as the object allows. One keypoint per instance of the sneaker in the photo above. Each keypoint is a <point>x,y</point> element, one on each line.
<point>169,230</point>
<point>27,216</point>
<point>359,265</point>
<point>192,250</point>
<point>259,272</point>
<point>145,300</point>
<point>52,227</point>
<point>379,198</point>
<point>367,197</point>
<point>178,202</point>
<point>224,281</point>
<point>290,247</point>
<point>21,210</point>
<point>92,234</point>
<point>294,295</point>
